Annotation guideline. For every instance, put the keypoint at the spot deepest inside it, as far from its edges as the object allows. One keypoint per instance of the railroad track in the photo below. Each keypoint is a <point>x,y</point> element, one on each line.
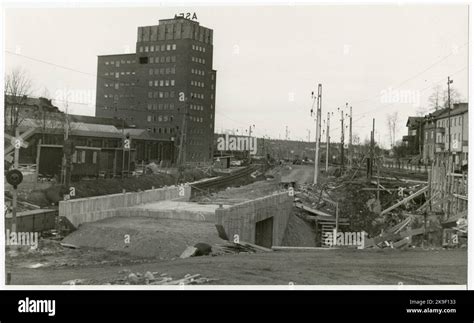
<point>225,180</point>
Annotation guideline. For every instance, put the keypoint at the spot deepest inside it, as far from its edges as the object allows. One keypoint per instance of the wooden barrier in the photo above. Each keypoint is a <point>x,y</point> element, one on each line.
<point>33,220</point>
<point>451,188</point>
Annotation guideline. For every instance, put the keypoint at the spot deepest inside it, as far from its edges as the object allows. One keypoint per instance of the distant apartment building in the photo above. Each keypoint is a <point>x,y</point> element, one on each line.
<point>414,137</point>
<point>167,87</point>
<point>431,132</point>
<point>436,138</point>
<point>458,145</point>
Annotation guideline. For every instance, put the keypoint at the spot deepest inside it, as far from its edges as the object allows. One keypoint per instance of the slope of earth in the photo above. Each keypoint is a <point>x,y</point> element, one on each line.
<point>144,236</point>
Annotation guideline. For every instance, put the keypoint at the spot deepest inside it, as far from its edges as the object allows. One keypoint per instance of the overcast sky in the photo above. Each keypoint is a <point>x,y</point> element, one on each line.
<point>268,59</point>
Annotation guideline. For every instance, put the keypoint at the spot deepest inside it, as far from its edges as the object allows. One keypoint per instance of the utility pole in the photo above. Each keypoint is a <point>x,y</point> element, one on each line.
<point>67,150</point>
<point>15,189</point>
<point>372,149</point>
<point>318,133</point>
<point>182,140</point>
<point>449,117</point>
<point>327,143</point>
<point>350,138</point>
<point>286,139</point>
<point>449,138</point>
<point>342,138</point>
<point>309,135</point>
<point>250,138</point>
<point>123,147</point>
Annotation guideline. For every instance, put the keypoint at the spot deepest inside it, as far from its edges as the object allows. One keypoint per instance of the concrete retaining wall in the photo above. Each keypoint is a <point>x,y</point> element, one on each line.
<point>95,208</point>
<point>188,215</point>
<point>241,218</point>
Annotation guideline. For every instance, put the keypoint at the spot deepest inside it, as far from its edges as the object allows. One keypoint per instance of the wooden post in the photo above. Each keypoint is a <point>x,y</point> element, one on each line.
<point>38,154</point>
<point>378,181</point>
<point>15,189</point>
<point>115,162</point>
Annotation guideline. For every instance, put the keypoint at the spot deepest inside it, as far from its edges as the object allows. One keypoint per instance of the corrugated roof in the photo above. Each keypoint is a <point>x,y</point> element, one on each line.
<point>89,129</point>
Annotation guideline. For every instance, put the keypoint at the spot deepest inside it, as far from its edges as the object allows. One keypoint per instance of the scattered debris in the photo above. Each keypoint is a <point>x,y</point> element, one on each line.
<point>188,252</point>
<point>68,245</point>
<point>202,249</point>
<point>75,282</point>
<point>155,278</point>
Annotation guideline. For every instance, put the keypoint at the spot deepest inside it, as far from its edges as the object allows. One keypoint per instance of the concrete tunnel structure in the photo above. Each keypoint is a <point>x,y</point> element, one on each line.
<point>262,221</point>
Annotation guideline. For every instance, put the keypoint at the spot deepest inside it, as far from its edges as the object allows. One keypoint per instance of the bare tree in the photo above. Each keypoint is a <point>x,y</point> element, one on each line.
<point>439,98</point>
<point>392,123</point>
<point>17,87</point>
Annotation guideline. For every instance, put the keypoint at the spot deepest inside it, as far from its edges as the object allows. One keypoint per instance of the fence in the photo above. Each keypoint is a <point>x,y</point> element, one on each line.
<point>33,220</point>
<point>404,165</point>
<point>448,190</point>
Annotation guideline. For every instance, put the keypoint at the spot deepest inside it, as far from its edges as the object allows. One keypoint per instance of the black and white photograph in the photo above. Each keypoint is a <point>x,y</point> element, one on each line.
<point>286,145</point>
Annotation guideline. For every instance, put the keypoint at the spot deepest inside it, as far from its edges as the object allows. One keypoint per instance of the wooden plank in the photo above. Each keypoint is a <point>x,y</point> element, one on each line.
<point>393,237</point>
<point>311,210</point>
<point>401,243</point>
<point>427,203</point>
<point>405,200</point>
<point>382,187</point>
<point>401,180</point>
<point>248,244</point>
<point>330,201</point>
<point>462,197</point>
<point>456,217</point>
<point>454,175</point>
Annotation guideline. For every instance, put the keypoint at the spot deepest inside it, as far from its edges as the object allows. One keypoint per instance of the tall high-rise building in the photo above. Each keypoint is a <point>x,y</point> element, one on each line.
<point>170,77</point>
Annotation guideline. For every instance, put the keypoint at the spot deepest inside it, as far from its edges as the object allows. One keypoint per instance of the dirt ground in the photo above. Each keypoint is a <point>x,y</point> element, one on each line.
<point>318,267</point>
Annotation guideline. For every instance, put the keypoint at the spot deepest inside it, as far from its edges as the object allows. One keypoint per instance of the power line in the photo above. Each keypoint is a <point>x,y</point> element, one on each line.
<point>422,90</point>
<point>416,75</point>
<point>364,114</point>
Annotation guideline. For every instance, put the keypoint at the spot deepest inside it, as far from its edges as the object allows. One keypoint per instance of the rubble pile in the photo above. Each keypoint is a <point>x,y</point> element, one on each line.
<point>155,278</point>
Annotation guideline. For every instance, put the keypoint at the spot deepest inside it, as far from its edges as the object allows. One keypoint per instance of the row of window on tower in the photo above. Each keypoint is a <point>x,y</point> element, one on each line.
<point>161,83</point>
<point>160,106</point>
<point>162,71</point>
<point>159,118</point>
<point>120,62</point>
<point>196,131</point>
<point>197,72</point>
<point>199,48</point>
<point>161,94</point>
<point>130,108</point>
<point>197,83</point>
<point>196,107</point>
<point>196,119</point>
<point>161,59</point>
<point>156,48</point>
<point>162,130</point>
<point>117,74</point>
<point>198,60</point>
<point>117,96</point>
<point>118,85</point>
<point>196,142</point>
<point>197,95</point>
